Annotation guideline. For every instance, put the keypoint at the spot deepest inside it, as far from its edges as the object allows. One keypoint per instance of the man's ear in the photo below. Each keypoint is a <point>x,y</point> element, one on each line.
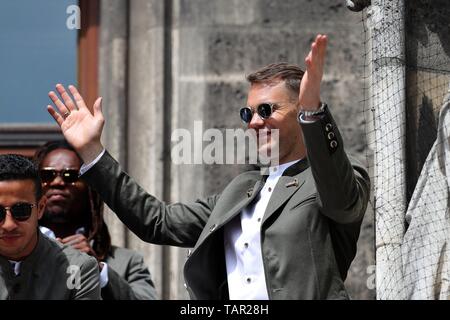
<point>41,206</point>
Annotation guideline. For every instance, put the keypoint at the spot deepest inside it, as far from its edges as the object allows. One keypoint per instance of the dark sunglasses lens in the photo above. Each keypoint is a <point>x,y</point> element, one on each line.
<point>246,114</point>
<point>70,176</point>
<point>47,175</point>
<point>265,110</point>
<point>21,211</point>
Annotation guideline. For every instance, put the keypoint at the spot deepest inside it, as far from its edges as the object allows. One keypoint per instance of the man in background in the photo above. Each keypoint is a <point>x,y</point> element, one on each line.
<point>31,265</point>
<point>74,215</point>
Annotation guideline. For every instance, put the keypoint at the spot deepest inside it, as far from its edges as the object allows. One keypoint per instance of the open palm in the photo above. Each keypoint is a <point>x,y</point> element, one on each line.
<point>309,96</point>
<point>80,127</point>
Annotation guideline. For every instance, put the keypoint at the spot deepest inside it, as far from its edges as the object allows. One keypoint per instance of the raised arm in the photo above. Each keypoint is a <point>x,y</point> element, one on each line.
<point>343,186</point>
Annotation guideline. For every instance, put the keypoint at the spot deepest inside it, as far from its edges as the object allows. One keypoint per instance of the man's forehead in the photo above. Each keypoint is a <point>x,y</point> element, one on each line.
<point>61,158</point>
<point>20,189</point>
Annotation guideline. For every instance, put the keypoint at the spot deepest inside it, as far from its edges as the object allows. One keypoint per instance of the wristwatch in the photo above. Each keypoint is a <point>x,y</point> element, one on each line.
<point>305,114</point>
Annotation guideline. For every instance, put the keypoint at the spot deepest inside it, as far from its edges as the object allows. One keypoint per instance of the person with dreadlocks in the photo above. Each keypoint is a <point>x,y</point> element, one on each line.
<point>74,216</point>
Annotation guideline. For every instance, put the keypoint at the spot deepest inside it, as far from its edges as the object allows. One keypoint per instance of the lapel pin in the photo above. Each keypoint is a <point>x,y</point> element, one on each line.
<point>249,192</point>
<point>292,183</point>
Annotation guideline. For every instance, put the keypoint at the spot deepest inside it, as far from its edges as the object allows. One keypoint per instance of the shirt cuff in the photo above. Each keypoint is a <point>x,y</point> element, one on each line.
<point>85,167</point>
<point>104,275</point>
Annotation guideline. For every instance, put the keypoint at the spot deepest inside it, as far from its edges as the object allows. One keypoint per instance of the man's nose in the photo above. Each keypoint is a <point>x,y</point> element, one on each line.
<point>256,121</point>
<point>9,224</point>
<point>58,180</point>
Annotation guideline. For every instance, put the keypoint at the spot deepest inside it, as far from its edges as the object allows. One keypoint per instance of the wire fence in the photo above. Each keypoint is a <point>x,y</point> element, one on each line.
<point>407,54</point>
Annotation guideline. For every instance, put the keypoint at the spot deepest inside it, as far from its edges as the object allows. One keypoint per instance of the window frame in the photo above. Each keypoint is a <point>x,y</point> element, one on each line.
<point>26,138</point>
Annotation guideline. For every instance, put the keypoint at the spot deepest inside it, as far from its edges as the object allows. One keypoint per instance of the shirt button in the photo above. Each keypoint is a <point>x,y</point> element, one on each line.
<point>249,280</point>
<point>270,189</point>
<point>328,127</point>
<point>246,245</point>
<point>330,135</point>
<point>333,144</point>
<point>259,219</point>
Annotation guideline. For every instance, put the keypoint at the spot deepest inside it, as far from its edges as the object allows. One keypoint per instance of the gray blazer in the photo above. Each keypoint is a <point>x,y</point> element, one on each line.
<point>128,277</point>
<point>50,273</point>
<point>308,233</point>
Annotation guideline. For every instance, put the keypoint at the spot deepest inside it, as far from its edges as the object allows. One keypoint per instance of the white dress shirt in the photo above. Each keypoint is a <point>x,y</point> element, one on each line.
<point>86,167</point>
<point>242,237</point>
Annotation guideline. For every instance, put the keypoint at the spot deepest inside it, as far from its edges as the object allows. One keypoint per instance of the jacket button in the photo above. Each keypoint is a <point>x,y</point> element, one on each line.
<point>333,144</point>
<point>330,135</point>
<point>328,127</point>
<point>212,228</point>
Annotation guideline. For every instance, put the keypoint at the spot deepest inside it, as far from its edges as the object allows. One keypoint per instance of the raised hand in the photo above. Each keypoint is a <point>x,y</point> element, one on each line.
<point>309,96</point>
<point>80,127</point>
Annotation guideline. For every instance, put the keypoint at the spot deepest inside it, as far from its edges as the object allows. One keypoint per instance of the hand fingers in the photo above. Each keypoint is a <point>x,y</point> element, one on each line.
<point>98,107</point>
<point>318,50</point>
<point>78,98</point>
<point>322,45</point>
<point>69,238</point>
<point>73,238</point>
<point>83,246</point>
<point>58,103</point>
<point>65,96</point>
<point>55,115</point>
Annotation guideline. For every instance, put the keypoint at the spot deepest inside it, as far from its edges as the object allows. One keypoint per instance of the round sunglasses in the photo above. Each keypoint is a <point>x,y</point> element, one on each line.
<point>19,211</point>
<point>67,175</point>
<point>264,110</point>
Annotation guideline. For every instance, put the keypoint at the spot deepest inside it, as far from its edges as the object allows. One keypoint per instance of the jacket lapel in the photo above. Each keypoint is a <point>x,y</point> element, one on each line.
<point>291,181</point>
<point>284,189</point>
<point>250,195</point>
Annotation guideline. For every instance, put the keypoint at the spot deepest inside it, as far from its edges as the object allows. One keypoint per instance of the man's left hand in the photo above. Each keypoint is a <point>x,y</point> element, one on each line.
<point>309,96</point>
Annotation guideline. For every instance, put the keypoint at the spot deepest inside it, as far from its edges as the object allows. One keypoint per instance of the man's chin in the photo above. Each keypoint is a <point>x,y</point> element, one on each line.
<point>55,215</point>
<point>267,157</point>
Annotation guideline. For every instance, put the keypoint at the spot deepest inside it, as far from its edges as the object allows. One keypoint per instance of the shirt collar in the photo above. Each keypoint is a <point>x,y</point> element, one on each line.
<point>278,170</point>
<point>16,266</point>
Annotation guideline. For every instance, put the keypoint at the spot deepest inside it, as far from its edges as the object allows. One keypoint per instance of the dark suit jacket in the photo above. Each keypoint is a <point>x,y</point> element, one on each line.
<point>48,274</point>
<point>308,234</point>
<point>128,277</point>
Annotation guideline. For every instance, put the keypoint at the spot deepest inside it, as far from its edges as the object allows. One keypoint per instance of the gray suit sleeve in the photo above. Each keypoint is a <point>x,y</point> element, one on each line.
<point>89,288</point>
<point>138,284</point>
<point>149,218</point>
<point>343,187</point>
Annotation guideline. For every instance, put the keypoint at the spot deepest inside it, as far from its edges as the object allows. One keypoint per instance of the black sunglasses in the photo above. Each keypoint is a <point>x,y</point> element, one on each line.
<point>50,174</point>
<point>264,110</point>
<point>19,211</point>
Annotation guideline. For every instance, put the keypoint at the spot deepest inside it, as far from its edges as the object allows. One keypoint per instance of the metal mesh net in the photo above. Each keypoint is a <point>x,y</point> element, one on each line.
<point>407,46</point>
